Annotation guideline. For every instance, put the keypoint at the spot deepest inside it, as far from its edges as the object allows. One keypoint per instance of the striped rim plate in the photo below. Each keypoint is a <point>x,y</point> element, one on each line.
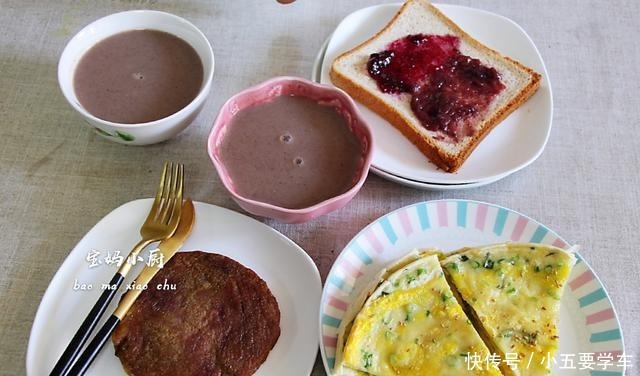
<point>588,326</point>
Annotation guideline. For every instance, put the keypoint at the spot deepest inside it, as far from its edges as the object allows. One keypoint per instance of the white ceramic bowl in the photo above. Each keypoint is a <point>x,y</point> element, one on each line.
<point>142,133</point>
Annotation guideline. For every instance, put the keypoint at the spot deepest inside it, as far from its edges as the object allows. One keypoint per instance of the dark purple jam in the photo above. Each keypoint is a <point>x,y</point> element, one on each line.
<point>448,89</point>
<point>407,61</point>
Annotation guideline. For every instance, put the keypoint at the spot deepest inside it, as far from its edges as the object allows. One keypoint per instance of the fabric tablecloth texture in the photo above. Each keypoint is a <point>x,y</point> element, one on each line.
<point>57,178</point>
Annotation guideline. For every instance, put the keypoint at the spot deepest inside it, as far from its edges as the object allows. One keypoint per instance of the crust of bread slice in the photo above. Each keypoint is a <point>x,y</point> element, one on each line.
<point>348,72</point>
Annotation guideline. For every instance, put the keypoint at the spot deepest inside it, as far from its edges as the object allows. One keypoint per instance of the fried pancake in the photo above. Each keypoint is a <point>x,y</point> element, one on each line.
<point>220,320</point>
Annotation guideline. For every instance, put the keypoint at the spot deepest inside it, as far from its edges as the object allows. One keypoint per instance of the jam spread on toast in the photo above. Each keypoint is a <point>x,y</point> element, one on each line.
<point>448,89</point>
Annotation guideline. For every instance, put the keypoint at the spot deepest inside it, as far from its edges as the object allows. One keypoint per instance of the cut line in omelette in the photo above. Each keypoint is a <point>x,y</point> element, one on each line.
<point>411,324</point>
<point>512,293</point>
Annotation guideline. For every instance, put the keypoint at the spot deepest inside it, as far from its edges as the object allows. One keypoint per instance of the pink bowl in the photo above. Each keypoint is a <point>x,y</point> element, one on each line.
<point>266,92</point>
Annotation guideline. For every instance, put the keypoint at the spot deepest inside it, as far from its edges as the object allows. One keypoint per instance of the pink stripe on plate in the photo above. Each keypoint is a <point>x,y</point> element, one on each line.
<point>351,269</point>
<point>615,354</point>
<point>330,341</point>
<point>443,220</point>
<point>373,240</point>
<point>521,223</point>
<point>481,216</point>
<point>559,243</point>
<point>339,304</point>
<point>603,315</point>
<point>581,280</point>
<point>404,221</point>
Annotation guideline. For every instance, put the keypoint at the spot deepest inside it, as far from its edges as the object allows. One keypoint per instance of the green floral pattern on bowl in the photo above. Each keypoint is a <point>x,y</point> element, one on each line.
<point>122,135</point>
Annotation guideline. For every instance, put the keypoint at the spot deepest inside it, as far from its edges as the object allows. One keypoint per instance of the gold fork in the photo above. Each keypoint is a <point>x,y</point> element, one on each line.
<point>160,224</point>
<point>164,216</point>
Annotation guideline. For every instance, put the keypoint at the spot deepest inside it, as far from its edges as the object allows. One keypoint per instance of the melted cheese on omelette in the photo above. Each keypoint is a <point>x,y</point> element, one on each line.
<point>413,325</point>
<point>514,293</point>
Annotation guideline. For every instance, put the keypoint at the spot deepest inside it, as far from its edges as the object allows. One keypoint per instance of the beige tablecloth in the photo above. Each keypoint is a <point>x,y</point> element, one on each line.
<point>57,178</point>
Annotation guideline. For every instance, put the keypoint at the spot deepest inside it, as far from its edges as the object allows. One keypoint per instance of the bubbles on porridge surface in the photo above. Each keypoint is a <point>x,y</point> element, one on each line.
<point>298,161</point>
<point>138,76</point>
<point>286,138</point>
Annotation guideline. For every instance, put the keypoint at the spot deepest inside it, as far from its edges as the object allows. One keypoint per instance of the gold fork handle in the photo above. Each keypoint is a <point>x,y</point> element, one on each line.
<point>94,347</point>
<point>72,351</point>
<point>133,255</point>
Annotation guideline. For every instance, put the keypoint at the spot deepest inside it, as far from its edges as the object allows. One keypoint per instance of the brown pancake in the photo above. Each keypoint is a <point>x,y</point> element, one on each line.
<point>220,320</point>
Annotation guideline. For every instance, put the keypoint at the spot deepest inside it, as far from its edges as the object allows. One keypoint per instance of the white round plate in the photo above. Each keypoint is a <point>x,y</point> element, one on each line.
<point>289,272</point>
<point>431,186</point>
<point>316,71</point>
<point>588,321</point>
<point>511,146</point>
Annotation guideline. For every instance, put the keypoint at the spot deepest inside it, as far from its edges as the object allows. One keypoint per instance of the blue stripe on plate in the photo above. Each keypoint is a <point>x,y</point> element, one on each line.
<point>539,234</point>
<point>388,230</point>
<point>462,214</point>
<point>336,281</point>
<point>592,297</point>
<point>605,373</point>
<point>608,335</point>
<point>423,216</point>
<point>501,218</point>
<point>330,320</point>
<point>362,255</point>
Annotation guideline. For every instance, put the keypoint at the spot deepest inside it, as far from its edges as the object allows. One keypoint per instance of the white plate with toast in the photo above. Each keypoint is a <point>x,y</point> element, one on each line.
<point>431,186</point>
<point>289,272</point>
<point>512,145</point>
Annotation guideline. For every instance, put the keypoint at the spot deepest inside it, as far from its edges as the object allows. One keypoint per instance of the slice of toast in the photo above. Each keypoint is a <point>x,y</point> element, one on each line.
<point>349,72</point>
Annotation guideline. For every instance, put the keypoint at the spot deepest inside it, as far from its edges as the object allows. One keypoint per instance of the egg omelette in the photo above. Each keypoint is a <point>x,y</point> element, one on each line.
<point>513,295</point>
<point>412,324</point>
<point>410,320</point>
